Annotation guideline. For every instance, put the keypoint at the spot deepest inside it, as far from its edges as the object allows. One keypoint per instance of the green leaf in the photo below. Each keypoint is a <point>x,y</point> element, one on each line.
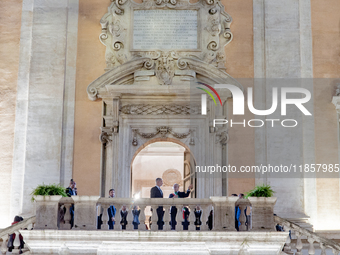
<point>49,190</point>
<point>261,191</point>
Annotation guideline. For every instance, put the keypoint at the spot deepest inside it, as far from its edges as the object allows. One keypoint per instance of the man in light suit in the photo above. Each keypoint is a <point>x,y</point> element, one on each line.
<point>156,192</point>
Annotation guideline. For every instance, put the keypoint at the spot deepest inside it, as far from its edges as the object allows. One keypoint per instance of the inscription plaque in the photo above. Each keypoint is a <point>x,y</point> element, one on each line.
<point>165,29</point>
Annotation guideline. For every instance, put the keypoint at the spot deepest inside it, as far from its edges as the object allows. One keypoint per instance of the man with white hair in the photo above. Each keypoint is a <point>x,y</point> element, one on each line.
<point>177,194</point>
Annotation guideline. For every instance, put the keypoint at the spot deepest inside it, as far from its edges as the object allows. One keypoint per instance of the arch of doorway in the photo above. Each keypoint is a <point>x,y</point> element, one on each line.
<point>162,139</point>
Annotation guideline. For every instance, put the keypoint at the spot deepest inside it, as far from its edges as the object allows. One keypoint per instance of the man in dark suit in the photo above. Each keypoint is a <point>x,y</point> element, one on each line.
<point>173,210</point>
<point>156,192</point>
<point>111,211</point>
<point>71,191</point>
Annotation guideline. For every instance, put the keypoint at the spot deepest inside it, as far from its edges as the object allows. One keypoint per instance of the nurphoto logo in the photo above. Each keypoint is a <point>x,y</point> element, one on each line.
<point>239,99</point>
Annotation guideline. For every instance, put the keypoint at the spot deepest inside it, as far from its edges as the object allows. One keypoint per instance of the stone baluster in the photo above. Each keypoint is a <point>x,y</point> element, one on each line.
<point>179,218</point>
<point>67,217</point>
<point>205,215</point>
<point>335,252</point>
<point>192,218</point>
<point>129,219</point>
<point>243,218</point>
<point>16,242</point>
<point>4,244</point>
<point>118,217</point>
<point>323,249</point>
<point>287,248</point>
<point>105,216</point>
<point>142,219</point>
<point>30,226</point>
<point>166,218</point>
<point>154,218</point>
<point>311,249</point>
<point>299,244</point>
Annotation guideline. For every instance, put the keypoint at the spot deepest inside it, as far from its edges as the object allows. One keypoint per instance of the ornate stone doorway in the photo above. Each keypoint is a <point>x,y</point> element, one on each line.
<point>149,92</point>
<point>168,159</point>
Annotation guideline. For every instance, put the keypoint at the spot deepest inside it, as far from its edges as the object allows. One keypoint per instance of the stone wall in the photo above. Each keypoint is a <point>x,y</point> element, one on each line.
<point>10,17</point>
<point>326,65</point>
<point>43,143</point>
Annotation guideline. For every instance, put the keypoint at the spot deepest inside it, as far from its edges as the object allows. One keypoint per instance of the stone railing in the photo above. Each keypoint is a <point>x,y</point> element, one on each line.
<point>299,234</point>
<point>14,229</point>
<point>217,213</point>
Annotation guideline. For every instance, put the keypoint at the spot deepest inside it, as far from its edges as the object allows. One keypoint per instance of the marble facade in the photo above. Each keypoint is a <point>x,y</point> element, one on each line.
<point>44,122</point>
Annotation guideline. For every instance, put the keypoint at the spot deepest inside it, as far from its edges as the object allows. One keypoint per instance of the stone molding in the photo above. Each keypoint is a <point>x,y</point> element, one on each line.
<point>104,86</point>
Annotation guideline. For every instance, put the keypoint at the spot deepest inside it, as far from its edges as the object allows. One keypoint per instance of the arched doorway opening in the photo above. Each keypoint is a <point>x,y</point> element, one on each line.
<point>166,158</point>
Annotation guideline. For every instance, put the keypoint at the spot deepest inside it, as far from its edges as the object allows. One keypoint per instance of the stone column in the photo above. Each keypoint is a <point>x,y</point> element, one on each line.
<point>44,121</point>
<point>283,49</point>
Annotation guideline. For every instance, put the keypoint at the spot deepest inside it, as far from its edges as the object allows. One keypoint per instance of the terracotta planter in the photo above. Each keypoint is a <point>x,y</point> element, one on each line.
<point>46,212</point>
<point>263,213</point>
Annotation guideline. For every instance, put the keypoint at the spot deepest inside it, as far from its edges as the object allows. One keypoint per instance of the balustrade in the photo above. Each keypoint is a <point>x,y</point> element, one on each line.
<point>14,229</point>
<point>215,213</point>
<point>311,239</point>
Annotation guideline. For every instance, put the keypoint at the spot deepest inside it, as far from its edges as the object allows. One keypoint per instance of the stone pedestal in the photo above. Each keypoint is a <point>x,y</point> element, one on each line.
<point>85,212</point>
<point>224,210</point>
<point>262,213</point>
<point>47,212</point>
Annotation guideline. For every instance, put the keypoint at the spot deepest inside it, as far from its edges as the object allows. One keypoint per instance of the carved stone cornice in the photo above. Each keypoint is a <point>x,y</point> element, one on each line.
<point>148,109</point>
<point>98,88</point>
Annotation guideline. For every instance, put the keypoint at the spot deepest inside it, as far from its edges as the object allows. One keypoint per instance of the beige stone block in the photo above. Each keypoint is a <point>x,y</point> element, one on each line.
<point>47,212</point>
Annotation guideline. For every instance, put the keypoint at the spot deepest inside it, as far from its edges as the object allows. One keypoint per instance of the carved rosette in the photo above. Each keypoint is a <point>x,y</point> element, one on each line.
<point>171,176</point>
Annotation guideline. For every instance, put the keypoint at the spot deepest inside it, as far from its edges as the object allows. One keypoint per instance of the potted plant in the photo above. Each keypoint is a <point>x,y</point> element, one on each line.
<point>47,198</point>
<point>262,202</point>
<point>260,191</point>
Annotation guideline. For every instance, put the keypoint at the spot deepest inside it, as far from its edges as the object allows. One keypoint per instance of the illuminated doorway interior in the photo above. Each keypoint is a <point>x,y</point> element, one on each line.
<point>159,159</point>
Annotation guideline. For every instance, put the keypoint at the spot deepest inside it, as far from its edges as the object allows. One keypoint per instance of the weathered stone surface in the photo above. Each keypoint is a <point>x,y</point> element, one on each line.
<point>158,242</point>
<point>45,102</point>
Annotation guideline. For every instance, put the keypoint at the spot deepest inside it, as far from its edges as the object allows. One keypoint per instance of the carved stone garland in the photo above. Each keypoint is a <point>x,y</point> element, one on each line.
<point>163,131</point>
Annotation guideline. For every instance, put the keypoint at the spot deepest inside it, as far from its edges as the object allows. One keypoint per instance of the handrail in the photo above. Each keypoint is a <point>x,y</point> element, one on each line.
<point>16,227</point>
<point>154,201</point>
<point>4,233</point>
<point>311,236</point>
